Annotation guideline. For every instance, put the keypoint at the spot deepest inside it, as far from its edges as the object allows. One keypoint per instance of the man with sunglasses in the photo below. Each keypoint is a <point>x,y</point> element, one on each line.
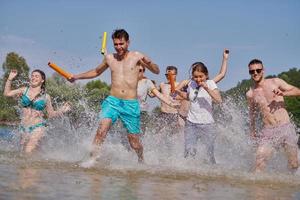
<point>266,98</point>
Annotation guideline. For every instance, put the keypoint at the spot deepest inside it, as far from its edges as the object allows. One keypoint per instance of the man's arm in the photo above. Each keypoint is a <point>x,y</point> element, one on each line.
<point>147,62</point>
<point>285,89</point>
<point>182,84</point>
<point>223,69</point>
<point>183,95</point>
<point>91,73</point>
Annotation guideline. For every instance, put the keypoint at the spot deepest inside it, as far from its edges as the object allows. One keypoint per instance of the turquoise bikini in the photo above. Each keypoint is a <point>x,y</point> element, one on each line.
<point>29,129</point>
<point>39,105</point>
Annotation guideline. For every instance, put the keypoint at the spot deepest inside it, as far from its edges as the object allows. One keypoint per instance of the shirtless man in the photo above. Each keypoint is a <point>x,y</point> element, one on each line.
<point>122,102</point>
<point>266,97</point>
<point>168,116</point>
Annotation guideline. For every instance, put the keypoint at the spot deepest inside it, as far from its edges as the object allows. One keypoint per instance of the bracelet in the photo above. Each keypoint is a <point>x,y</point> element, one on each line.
<point>9,79</point>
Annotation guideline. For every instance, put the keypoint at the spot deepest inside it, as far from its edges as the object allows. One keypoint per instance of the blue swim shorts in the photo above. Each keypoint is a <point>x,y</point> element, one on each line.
<point>128,110</point>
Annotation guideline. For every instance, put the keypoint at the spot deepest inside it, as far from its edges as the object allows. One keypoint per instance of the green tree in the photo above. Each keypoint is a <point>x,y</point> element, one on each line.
<point>292,103</point>
<point>8,105</point>
<point>14,61</point>
<point>96,85</point>
<point>95,92</point>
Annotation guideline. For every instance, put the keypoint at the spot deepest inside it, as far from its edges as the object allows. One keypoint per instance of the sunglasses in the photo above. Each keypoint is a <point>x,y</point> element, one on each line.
<point>170,74</point>
<point>255,70</point>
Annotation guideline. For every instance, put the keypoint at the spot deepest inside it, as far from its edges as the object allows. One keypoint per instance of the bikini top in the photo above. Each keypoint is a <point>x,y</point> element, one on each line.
<point>26,102</point>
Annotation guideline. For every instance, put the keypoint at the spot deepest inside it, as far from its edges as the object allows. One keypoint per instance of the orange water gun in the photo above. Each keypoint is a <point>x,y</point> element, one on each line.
<point>172,81</point>
<point>59,70</point>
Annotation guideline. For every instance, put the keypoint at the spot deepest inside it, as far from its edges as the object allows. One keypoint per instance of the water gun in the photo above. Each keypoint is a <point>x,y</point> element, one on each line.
<point>103,46</point>
<point>60,71</point>
<point>172,82</point>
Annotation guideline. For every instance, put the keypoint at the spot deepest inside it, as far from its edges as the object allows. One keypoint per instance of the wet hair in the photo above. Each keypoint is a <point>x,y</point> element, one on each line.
<point>43,75</point>
<point>199,67</point>
<point>255,61</point>
<point>171,68</point>
<point>119,34</point>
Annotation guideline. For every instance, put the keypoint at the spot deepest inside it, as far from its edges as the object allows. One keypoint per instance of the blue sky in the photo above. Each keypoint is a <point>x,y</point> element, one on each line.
<point>170,32</point>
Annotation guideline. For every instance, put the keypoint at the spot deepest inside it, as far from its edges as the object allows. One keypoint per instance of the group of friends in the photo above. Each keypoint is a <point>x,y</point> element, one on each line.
<point>188,107</point>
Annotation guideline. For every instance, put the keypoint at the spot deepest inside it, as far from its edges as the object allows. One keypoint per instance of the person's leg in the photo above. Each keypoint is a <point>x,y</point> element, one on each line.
<point>209,133</point>
<point>174,124</point>
<point>103,128</point>
<point>34,139</point>
<point>263,153</point>
<point>290,146</point>
<point>144,121</point>
<point>130,116</point>
<point>24,139</point>
<point>136,145</point>
<point>190,140</point>
<point>181,122</point>
<point>292,156</point>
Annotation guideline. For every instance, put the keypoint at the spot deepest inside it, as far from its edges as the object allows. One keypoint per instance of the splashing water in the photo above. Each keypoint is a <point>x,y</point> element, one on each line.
<point>66,142</point>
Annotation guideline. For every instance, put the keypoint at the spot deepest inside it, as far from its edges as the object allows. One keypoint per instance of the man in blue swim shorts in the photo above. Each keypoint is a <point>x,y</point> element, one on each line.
<point>122,102</point>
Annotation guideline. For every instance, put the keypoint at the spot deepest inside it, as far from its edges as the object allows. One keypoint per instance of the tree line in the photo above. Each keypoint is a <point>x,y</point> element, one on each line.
<point>83,97</point>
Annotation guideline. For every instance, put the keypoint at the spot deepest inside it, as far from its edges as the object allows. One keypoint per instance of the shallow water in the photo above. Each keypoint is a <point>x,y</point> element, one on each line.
<point>29,179</point>
<point>54,172</point>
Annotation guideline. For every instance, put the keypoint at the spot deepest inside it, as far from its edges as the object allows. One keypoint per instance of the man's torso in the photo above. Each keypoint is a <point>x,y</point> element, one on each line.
<point>270,105</point>
<point>124,75</point>
<point>166,91</point>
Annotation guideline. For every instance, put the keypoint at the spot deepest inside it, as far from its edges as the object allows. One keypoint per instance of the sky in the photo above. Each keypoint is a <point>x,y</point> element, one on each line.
<point>177,33</point>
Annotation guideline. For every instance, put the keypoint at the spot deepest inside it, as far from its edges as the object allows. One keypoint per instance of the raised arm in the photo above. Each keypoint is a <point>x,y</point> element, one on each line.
<point>147,62</point>
<point>182,84</point>
<point>223,69</point>
<point>91,73</point>
<point>8,92</point>
<point>285,89</point>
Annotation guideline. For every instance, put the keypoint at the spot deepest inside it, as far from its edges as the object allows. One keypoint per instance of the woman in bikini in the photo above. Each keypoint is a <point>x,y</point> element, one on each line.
<point>35,102</point>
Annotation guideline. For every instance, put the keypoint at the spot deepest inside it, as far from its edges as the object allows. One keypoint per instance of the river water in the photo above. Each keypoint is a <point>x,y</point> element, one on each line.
<point>54,172</point>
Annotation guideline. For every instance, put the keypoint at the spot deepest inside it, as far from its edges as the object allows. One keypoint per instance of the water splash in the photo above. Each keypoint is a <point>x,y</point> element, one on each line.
<point>69,141</point>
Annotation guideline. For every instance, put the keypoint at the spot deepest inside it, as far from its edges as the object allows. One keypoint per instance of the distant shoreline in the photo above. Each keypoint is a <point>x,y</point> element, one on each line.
<point>9,123</point>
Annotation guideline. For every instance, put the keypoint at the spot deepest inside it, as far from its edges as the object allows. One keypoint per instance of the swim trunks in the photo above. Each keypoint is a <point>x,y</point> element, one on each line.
<point>278,135</point>
<point>128,110</point>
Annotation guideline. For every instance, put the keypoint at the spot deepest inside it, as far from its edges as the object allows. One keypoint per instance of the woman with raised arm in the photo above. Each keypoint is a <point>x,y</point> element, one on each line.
<point>200,124</point>
<point>183,110</point>
<point>35,102</point>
